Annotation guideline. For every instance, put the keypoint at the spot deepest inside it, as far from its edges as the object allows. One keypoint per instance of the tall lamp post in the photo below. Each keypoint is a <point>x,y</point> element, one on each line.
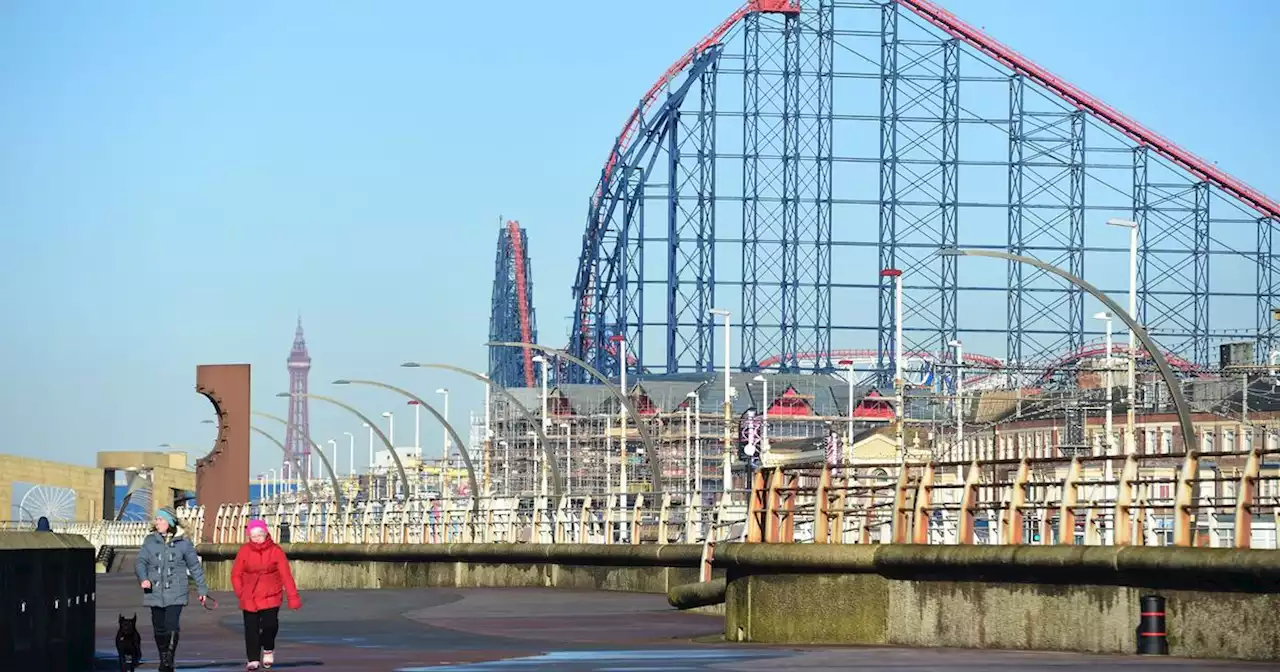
<point>1131,431</point>
<point>959,404</point>
<point>621,345</point>
<point>514,403</point>
<point>848,433</point>
<point>395,457</point>
<point>727,460</point>
<point>764,414</point>
<point>466,459</point>
<point>898,384</point>
<point>651,452</point>
<point>351,454</point>
<point>1166,372</point>
<point>370,428</point>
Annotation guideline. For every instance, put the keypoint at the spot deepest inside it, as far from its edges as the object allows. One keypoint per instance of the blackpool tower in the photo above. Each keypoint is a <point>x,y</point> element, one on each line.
<point>298,435</point>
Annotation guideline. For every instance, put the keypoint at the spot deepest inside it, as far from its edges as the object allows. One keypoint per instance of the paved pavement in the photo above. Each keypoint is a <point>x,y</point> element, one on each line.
<point>490,630</point>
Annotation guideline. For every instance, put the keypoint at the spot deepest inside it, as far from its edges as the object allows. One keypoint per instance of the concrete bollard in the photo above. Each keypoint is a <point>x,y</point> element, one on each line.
<point>1153,639</point>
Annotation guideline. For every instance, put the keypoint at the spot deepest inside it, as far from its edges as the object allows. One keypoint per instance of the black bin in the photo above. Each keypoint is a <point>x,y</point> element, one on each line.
<point>1153,637</point>
<point>284,533</point>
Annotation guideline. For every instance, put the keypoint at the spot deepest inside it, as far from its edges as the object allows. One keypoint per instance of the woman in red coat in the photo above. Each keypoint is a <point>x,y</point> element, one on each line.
<point>260,578</point>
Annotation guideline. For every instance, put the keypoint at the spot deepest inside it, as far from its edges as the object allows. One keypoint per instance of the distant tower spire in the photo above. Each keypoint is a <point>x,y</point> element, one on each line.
<point>298,435</point>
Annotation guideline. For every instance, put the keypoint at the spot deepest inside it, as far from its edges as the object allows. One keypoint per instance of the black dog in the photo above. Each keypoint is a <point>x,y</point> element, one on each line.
<point>128,644</point>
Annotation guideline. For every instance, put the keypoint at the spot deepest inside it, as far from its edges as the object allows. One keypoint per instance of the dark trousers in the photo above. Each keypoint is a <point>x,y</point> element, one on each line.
<point>164,620</point>
<point>260,628</point>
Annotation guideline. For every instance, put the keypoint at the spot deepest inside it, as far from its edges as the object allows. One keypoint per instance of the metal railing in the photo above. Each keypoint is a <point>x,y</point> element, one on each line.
<point>1219,499</point>
<point>116,533</point>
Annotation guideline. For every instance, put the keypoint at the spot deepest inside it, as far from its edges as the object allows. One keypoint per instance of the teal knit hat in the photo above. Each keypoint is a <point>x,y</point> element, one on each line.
<point>169,515</point>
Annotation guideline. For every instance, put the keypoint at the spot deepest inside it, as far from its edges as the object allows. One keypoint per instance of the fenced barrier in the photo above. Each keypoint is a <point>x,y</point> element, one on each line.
<point>1204,499</point>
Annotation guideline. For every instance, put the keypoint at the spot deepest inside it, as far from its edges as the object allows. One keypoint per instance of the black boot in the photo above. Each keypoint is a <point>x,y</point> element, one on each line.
<point>168,649</point>
<point>162,644</point>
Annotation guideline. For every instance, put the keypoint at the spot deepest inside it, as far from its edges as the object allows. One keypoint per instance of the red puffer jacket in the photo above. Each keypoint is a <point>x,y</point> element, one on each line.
<point>260,576</point>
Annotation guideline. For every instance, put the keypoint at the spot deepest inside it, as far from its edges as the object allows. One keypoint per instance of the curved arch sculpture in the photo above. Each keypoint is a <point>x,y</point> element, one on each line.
<point>333,475</point>
<point>1166,372</point>
<point>306,483</point>
<point>462,445</point>
<point>655,462</point>
<point>385,441</point>
<point>548,450</point>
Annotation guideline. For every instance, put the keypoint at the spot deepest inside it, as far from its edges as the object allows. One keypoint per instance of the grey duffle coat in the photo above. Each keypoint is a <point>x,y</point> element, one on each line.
<point>165,561</point>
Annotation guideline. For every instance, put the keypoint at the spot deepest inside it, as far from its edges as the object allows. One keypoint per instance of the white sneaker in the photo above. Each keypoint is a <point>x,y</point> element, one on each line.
<point>268,657</point>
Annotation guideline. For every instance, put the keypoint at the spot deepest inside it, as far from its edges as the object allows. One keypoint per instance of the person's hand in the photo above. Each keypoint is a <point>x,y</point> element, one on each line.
<point>146,584</point>
<point>295,602</point>
<point>202,598</point>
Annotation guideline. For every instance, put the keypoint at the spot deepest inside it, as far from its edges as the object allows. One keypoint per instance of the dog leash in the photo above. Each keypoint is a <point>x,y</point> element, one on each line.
<point>209,603</point>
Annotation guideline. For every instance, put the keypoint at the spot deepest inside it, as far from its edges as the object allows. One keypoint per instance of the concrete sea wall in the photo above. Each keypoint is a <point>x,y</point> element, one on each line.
<point>1221,603</point>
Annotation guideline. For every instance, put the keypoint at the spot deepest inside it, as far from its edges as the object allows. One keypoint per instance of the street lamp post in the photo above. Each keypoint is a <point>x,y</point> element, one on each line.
<point>370,428</point>
<point>391,428</point>
<point>959,403</point>
<point>1105,317</point>
<point>764,414</point>
<point>1162,364</point>
<point>688,430</point>
<point>899,385</point>
<point>466,459</point>
<point>727,460</point>
<point>351,454</point>
<point>651,451</point>
<point>511,401</point>
<point>542,363</point>
<point>333,446</point>
<point>445,440</point>
<point>1130,434</point>
<point>848,434</point>
<point>622,416</point>
<point>395,457</point>
<point>568,456</point>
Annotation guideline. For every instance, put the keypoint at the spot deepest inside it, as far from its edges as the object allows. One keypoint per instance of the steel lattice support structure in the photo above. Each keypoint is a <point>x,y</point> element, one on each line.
<point>793,153</point>
<point>511,316</point>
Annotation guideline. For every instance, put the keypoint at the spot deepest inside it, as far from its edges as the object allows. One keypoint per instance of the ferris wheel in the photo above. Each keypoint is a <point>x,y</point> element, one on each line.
<point>56,504</point>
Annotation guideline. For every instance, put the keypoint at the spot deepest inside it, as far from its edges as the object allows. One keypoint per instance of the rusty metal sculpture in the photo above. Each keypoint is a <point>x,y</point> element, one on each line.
<point>222,476</point>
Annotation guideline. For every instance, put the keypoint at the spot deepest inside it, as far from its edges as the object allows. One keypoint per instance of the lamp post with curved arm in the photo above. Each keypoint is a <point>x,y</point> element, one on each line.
<point>466,458</point>
<point>1166,372</point>
<point>306,491</point>
<point>387,442</point>
<point>333,476</point>
<point>655,462</point>
<point>547,447</point>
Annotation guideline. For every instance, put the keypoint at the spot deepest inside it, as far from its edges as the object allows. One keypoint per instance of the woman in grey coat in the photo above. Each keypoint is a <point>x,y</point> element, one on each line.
<point>165,559</point>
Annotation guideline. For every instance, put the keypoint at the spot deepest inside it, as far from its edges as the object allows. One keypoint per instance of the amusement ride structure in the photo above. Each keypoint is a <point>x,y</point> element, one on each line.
<point>800,147</point>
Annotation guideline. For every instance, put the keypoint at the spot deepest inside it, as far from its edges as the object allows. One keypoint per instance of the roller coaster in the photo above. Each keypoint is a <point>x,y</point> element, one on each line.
<point>799,148</point>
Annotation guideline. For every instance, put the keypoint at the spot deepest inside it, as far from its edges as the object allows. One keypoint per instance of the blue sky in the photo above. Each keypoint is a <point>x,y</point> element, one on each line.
<point>350,161</point>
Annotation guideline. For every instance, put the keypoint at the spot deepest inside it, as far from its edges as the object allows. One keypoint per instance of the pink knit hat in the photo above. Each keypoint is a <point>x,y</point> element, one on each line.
<point>256,524</point>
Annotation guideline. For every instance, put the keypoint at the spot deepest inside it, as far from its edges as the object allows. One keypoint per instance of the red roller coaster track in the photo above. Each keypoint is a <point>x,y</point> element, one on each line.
<point>522,297</point>
<point>952,25</point>
<point>1135,131</point>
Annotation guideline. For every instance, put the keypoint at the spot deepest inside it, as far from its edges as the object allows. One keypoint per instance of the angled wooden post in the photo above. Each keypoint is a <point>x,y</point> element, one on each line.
<point>1246,496</point>
<point>1184,500</point>
<point>968,504</point>
<point>1124,518</point>
<point>1067,507</point>
<point>924,502</point>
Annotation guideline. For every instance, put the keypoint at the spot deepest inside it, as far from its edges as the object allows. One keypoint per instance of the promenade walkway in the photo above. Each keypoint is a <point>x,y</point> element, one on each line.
<point>491,630</point>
